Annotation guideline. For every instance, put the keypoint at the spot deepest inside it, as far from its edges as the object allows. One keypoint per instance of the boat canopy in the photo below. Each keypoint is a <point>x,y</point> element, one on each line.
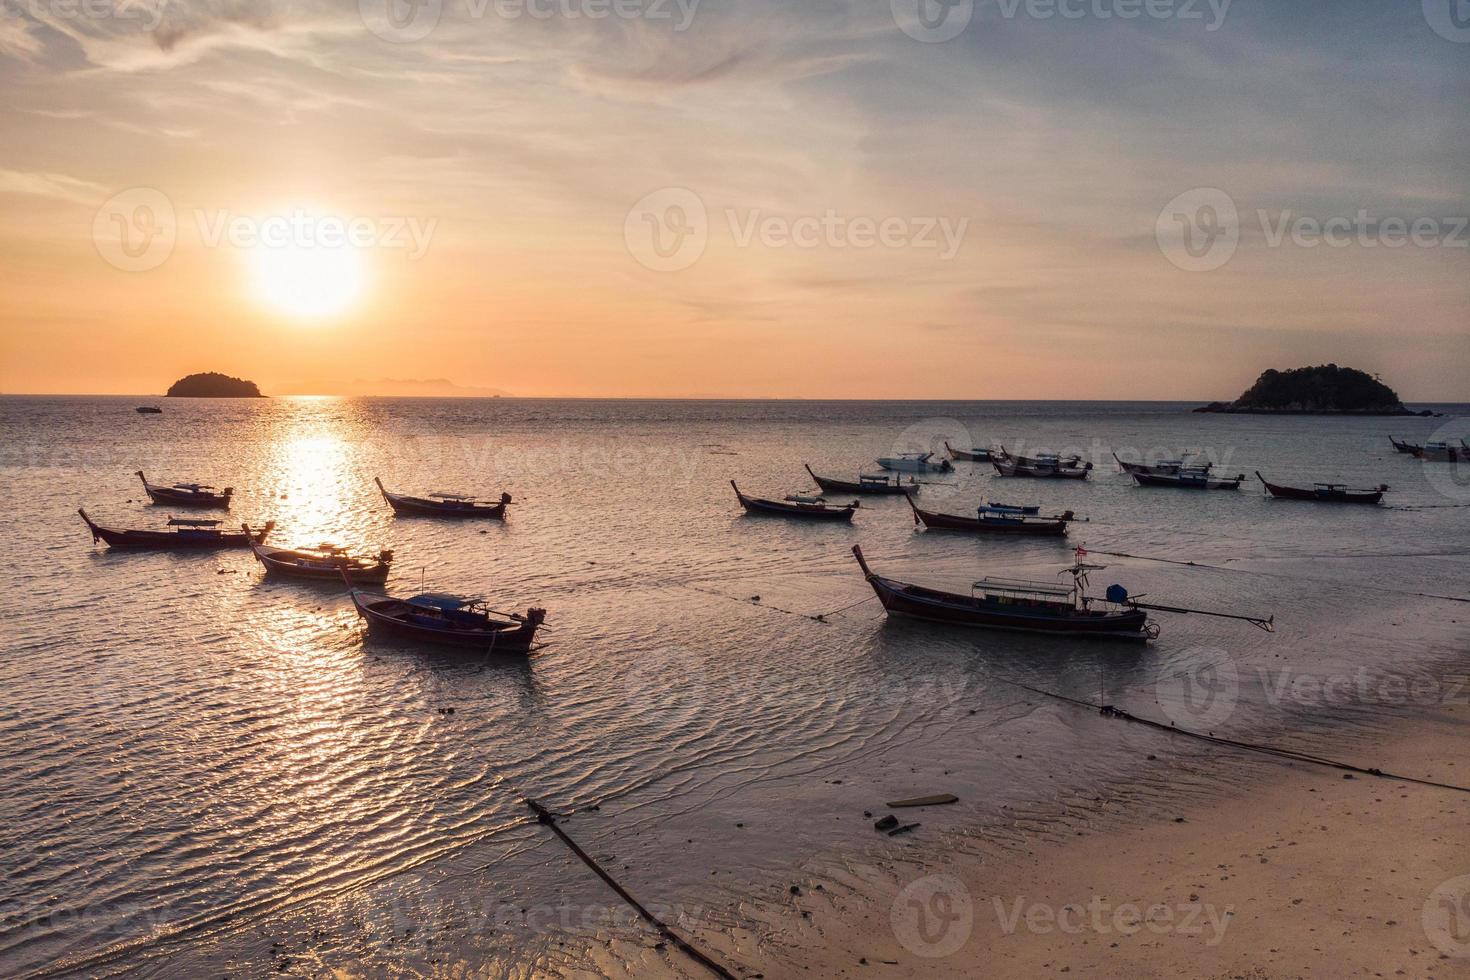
<point>1016,586</point>
<point>191,522</point>
<point>440,601</point>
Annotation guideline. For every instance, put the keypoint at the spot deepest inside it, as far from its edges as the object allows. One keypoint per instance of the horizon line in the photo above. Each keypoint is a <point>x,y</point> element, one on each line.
<point>659,398</point>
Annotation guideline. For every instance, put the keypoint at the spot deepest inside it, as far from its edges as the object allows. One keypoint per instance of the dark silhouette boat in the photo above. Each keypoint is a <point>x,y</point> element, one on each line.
<point>148,410</point>
<point>1407,448</point>
<point>1164,467</point>
<point>443,504</point>
<point>1189,478</point>
<point>1034,607</point>
<point>975,455</point>
<point>448,620</point>
<point>995,520</point>
<point>867,483</point>
<point>1047,466</point>
<point>187,494</point>
<point>324,562</point>
<point>188,532</point>
<point>1327,493</point>
<point>1010,604</point>
<point>795,508</point>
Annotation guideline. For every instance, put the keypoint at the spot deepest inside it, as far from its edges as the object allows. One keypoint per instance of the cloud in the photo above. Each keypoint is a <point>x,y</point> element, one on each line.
<point>57,187</point>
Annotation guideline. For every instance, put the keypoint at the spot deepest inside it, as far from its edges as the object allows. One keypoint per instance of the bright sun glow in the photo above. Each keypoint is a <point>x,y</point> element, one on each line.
<point>308,281</point>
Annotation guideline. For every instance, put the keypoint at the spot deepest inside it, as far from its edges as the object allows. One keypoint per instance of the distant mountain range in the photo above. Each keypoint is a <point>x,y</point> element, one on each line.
<point>399,387</point>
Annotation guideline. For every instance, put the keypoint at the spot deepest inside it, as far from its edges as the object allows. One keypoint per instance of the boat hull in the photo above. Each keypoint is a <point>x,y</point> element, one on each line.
<point>869,489</point>
<point>389,615</point>
<point>954,609</point>
<point>1010,467</point>
<point>778,508</point>
<point>183,540</point>
<point>968,455</point>
<point>1162,480</point>
<point>405,505</point>
<point>1000,524</point>
<point>1323,495</point>
<point>176,497</point>
<point>276,564</point>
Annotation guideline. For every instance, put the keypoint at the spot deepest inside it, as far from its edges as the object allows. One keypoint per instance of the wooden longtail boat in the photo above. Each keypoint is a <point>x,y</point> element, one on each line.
<point>1009,604</point>
<point>1327,493</point>
<point>810,511</point>
<point>991,520</point>
<point>325,562</point>
<point>975,455</point>
<point>190,533</point>
<point>449,620</point>
<point>867,483</point>
<point>1044,467</point>
<point>1164,467</point>
<point>915,463</point>
<point>148,410</point>
<point>1034,607</point>
<point>1189,479</point>
<point>443,504</point>
<point>187,494</point>
<point>1407,448</point>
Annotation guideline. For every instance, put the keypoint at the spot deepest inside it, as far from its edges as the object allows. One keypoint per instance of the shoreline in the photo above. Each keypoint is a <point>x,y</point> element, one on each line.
<point>1297,870</point>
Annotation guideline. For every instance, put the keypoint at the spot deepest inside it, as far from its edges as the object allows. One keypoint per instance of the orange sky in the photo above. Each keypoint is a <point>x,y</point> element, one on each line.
<point>1022,171</point>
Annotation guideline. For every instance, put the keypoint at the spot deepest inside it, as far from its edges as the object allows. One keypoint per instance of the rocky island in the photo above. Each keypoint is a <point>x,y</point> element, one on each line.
<point>1323,390</point>
<point>212,384</point>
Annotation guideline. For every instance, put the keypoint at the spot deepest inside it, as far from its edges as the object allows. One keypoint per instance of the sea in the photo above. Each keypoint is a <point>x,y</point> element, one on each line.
<point>205,772</point>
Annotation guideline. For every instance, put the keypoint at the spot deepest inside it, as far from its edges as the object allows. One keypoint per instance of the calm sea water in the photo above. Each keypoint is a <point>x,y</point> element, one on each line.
<point>196,763</point>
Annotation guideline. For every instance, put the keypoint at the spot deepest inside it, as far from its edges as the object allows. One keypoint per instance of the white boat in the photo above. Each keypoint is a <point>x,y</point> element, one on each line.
<point>915,463</point>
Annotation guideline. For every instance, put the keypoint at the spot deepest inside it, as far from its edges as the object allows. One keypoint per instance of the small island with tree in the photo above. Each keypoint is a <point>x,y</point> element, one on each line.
<point>212,384</point>
<point>1323,390</point>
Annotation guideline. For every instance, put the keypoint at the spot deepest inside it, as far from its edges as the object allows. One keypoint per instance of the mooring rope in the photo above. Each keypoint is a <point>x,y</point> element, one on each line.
<point>1109,711</point>
<point>1252,571</point>
<point>757,603</point>
<point>1166,561</point>
<point>546,817</point>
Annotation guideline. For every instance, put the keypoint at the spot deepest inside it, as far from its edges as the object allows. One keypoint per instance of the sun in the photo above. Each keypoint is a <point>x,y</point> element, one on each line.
<point>307,281</point>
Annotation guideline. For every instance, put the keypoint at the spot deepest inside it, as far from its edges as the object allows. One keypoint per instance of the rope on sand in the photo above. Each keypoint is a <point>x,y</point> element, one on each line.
<point>1108,711</point>
<point>546,817</point>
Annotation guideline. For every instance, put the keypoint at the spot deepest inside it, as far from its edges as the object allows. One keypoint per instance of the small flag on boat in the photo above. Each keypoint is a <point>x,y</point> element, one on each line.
<point>1081,552</point>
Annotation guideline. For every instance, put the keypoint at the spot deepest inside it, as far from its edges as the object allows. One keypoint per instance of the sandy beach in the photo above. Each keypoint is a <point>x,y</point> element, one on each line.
<point>1305,873</point>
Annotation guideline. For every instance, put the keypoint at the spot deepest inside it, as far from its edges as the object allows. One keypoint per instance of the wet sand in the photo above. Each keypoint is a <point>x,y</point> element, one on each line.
<point>1303,873</point>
